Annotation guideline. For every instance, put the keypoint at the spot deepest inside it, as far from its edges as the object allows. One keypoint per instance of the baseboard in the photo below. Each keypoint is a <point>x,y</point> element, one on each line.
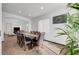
<point>54,42</point>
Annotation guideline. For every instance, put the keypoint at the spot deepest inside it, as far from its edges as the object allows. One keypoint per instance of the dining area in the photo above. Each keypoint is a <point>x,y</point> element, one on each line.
<point>30,40</point>
<point>29,43</point>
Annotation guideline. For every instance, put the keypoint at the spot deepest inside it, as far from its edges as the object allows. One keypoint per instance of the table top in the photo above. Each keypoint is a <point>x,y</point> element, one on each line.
<point>29,34</point>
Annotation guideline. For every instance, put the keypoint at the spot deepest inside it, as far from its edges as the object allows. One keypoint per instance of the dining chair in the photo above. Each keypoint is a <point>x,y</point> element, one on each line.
<point>18,37</point>
<point>41,39</point>
<point>40,42</point>
<point>19,40</point>
<point>36,39</point>
<point>27,42</point>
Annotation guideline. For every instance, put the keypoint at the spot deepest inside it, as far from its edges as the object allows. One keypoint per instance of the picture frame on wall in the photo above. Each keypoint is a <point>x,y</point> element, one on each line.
<point>60,19</point>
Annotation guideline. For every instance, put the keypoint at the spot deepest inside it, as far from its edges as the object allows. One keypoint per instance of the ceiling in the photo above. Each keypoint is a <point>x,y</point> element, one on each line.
<point>31,10</point>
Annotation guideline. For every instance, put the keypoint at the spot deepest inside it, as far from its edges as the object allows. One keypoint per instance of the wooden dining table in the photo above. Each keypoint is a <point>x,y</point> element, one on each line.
<point>30,35</point>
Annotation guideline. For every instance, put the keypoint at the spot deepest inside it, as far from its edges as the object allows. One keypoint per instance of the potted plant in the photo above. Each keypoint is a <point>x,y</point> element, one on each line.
<point>72,28</point>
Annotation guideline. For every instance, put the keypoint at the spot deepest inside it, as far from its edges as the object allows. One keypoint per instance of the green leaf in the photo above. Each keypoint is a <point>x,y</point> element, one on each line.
<point>76,51</point>
<point>59,34</point>
<point>61,30</point>
<point>74,5</point>
<point>76,23</point>
<point>69,26</point>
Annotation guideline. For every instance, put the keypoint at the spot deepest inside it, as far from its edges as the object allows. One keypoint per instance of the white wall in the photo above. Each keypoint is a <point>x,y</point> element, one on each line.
<point>51,36</point>
<point>15,21</point>
<point>0,20</point>
<point>34,25</point>
<point>1,37</point>
<point>53,31</point>
<point>44,26</point>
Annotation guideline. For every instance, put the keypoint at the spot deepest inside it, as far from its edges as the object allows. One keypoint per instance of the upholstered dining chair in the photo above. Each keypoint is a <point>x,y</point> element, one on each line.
<point>41,39</point>
<point>18,41</point>
<point>35,40</point>
<point>40,42</point>
<point>18,37</point>
<point>26,42</point>
<point>22,40</point>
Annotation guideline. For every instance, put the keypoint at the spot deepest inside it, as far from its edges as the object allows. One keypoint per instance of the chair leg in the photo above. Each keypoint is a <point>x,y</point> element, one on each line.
<point>21,44</point>
<point>17,42</point>
<point>37,48</point>
<point>24,47</point>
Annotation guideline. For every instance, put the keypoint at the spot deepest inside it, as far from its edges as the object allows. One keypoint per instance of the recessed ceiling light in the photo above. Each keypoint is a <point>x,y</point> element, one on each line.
<point>20,11</point>
<point>41,7</point>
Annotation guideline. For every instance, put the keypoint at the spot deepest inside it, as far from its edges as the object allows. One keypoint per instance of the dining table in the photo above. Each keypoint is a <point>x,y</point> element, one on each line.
<point>30,35</point>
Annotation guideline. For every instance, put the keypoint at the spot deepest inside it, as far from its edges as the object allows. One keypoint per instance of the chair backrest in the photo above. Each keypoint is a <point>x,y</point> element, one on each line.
<point>41,38</point>
<point>18,35</point>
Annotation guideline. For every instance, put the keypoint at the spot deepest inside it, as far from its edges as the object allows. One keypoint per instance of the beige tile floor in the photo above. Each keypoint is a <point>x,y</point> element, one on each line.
<point>10,47</point>
<point>0,48</point>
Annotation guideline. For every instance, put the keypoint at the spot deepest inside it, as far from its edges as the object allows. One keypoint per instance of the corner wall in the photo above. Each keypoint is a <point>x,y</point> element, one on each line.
<point>51,36</point>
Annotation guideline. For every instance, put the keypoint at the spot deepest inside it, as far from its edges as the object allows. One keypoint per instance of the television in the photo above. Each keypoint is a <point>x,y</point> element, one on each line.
<point>60,19</point>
